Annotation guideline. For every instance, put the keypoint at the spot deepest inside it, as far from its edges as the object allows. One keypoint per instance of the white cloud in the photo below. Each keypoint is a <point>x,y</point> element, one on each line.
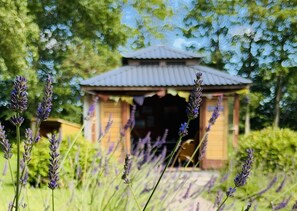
<point>182,42</point>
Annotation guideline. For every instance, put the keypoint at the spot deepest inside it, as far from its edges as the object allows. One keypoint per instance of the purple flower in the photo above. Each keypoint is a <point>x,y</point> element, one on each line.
<point>271,183</point>
<point>127,169</point>
<point>218,198</point>
<point>5,168</point>
<point>225,177</point>
<point>230,192</point>
<point>107,128</point>
<point>282,204</point>
<point>44,108</point>
<point>19,95</point>
<point>161,141</point>
<point>110,148</point>
<point>240,179</point>
<point>195,98</point>
<point>17,120</point>
<point>211,183</point>
<point>215,114</point>
<point>203,148</point>
<point>25,176</point>
<point>183,130</point>
<point>91,110</point>
<point>163,154</point>
<point>54,162</point>
<point>131,121</point>
<point>187,194</point>
<point>280,187</point>
<point>28,144</point>
<point>5,143</point>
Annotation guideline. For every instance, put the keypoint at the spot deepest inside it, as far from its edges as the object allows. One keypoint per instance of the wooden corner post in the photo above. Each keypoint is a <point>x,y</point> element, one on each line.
<point>236,108</point>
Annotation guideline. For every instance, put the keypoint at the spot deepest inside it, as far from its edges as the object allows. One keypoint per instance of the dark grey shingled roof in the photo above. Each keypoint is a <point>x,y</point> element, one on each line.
<point>163,76</point>
<point>161,52</point>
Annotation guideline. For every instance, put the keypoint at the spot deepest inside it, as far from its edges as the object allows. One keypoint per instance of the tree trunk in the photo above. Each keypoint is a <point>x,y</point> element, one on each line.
<point>278,94</point>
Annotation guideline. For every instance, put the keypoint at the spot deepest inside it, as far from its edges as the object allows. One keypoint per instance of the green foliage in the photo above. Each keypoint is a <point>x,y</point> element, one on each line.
<point>274,149</point>
<point>68,41</point>
<point>77,161</point>
<point>253,38</point>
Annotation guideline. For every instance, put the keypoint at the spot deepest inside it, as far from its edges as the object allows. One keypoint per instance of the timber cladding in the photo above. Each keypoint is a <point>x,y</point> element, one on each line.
<point>218,135</point>
<point>119,113</point>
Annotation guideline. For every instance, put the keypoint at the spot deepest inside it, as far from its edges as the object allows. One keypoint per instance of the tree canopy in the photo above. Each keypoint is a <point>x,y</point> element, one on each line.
<point>255,39</point>
<point>69,41</point>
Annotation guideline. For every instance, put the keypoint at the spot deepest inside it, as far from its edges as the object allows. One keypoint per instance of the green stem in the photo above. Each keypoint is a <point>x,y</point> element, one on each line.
<point>53,200</point>
<point>196,150</point>
<point>11,174</point>
<point>26,164</point>
<point>18,168</point>
<point>222,203</point>
<point>138,206</point>
<point>70,147</point>
<point>167,164</point>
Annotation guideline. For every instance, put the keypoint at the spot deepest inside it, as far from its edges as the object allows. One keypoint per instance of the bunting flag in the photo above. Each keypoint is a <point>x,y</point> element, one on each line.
<point>127,99</point>
<point>115,98</point>
<point>181,94</point>
<point>243,91</point>
<point>139,100</point>
<point>184,95</point>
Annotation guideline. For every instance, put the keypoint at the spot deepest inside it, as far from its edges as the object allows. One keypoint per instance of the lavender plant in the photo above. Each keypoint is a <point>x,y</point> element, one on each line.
<point>18,104</point>
<point>192,113</point>
<point>98,182</point>
<point>54,166</point>
<point>240,179</point>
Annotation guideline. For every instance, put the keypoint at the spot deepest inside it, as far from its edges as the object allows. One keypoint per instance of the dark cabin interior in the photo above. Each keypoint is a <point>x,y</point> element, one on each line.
<point>157,114</point>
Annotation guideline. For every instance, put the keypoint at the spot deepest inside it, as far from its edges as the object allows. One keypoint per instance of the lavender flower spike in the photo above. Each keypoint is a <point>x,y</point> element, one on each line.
<point>19,95</point>
<point>282,204</point>
<point>127,169</point>
<point>240,179</point>
<point>183,130</point>
<point>44,108</point>
<point>28,144</point>
<point>92,108</point>
<point>5,143</point>
<point>215,114</point>
<point>195,98</point>
<point>54,162</point>
<point>130,123</point>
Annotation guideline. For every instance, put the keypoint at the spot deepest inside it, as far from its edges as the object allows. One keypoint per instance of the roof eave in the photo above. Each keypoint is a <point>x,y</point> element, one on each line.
<point>157,88</point>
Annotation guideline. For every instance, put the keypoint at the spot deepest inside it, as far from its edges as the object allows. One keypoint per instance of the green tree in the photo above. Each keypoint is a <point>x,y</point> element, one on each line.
<point>264,50</point>
<point>18,52</point>
<point>68,40</point>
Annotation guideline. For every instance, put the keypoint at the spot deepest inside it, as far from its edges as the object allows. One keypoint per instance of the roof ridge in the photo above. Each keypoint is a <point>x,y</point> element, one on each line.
<point>131,54</point>
<point>181,51</point>
<point>160,48</point>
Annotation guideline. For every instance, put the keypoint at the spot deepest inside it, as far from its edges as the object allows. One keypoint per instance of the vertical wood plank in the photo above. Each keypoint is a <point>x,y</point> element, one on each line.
<point>236,120</point>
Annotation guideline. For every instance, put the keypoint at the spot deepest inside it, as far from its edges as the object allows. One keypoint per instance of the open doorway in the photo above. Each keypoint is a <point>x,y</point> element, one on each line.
<point>157,114</point>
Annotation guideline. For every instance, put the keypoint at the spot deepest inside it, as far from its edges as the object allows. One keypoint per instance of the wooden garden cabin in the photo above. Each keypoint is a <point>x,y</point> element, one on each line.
<point>158,81</point>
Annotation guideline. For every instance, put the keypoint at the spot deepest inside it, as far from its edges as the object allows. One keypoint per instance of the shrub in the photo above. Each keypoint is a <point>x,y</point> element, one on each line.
<point>77,161</point>
<point>275,149</point>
